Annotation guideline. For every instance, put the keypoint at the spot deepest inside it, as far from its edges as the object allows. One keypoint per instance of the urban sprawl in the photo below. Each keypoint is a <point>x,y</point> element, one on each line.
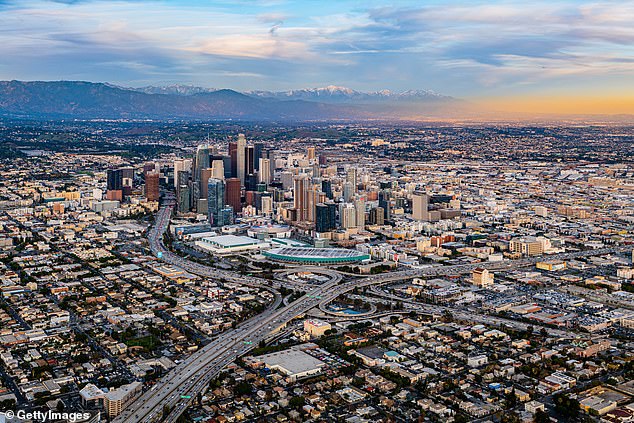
<point>350,273</point>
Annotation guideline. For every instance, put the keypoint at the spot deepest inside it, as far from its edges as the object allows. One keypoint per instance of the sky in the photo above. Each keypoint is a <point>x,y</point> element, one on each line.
<point>555,56</point>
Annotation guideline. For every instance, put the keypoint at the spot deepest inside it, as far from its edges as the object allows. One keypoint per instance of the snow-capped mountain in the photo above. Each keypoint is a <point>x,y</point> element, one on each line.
<point>336,94</point>
<point>329,94</point>
<point>175,89</point>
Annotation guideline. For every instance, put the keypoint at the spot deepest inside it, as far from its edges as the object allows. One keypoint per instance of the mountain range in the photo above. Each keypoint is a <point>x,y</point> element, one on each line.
<point>329,94</point>
<point>88,100</point>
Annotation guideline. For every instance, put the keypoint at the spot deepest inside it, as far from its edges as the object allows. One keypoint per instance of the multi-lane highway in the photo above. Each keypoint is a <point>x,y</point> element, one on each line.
<point>170,397</point>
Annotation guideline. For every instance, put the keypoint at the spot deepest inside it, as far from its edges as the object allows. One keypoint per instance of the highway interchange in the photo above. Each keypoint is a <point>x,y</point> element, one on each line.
<point>169,398</point>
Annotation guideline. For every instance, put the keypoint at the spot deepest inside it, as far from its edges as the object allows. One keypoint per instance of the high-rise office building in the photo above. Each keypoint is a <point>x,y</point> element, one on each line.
<point>233,158</point>
<point>226,164</point>
<point>119,183</point>
<point>267,205</point>
<point>310,154</point>
<point>205,175</point>
<point>249,156</point>
<point>359,205</point>
<point>384,203</point>
<point>183,196</point>
<point>226,216</point>
<point>201,160</point>
<point>152,186</point>
<point>184,193</point>
<point>325,217</point>
<point>251,182</point>
<point>377,216</point>
<point>301,193</point>
<point>234,194</point>
<point>351,176</point>
<point>286,178</point>
<point>420,204</point>
<point>326,187</point>
<point>272,161</point>
<point>114,180</point>
<point>258,150</point>
<point>218,169</point>
<point>348,215</point>
<point>241,158</point>
<point>348,191</point>
<point>264,174</point>
<point>180,165</point>
<point>127,177</point>
<point>216,201</point>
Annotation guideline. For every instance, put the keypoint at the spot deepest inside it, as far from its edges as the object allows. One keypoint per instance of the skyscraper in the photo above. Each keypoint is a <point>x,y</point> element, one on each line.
<point>272,159</point>
<point>267,205</point>
<point>184,191</point>
<point>310,154</point>
<point>384,203</point>
<point>114,180</point>
<point>249,156</point>
<point>215,201</point>
<point>119,183</point>
<point>226,164</point>
<point>348,191</point>
<point>233,158</point>
<point>264,174</point>
<point>326,187</point>
<point>348,216</point>
<point>258,149</point>
<point>359,205</point>
<point>205,175</point>
<point>377,216</point>
<point>180,165</point>
<point>152,186</point>
<point>301,201</point>
<point>201,161</point>
<point>233,194</point>
<point>351,176</point>
<point>183,195</point>
<point>325,217</point>
<point>420,203</point>
<point>241,158</point>
<point>218,169</point>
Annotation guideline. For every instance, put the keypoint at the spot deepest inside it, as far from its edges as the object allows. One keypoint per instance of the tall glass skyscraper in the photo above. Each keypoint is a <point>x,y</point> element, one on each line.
<point>216,202</point>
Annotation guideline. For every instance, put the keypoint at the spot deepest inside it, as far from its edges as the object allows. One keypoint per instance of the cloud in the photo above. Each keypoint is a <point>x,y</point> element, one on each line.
<point>458,48</point>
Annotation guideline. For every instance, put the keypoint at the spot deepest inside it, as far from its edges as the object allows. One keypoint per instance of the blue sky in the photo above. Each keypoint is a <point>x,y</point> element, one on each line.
<point>462,48</point>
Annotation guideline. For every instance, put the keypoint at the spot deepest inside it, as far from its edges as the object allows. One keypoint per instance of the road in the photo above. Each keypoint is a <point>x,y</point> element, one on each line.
<point>176,390</point>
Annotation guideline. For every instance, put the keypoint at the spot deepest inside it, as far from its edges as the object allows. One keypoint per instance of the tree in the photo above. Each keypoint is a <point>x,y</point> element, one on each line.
<point>541,417</point>
<point>297,402</point>
<point>510,417</point>
<point>566,407</point>
<point>511,399</point>
<point>242,388</point>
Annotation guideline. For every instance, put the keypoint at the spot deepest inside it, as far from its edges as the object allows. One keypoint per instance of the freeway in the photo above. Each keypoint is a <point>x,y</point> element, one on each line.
<point>175,391</point>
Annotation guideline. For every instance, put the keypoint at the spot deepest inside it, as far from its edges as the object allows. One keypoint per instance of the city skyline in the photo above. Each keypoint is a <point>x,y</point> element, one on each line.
<point>561,57</point>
